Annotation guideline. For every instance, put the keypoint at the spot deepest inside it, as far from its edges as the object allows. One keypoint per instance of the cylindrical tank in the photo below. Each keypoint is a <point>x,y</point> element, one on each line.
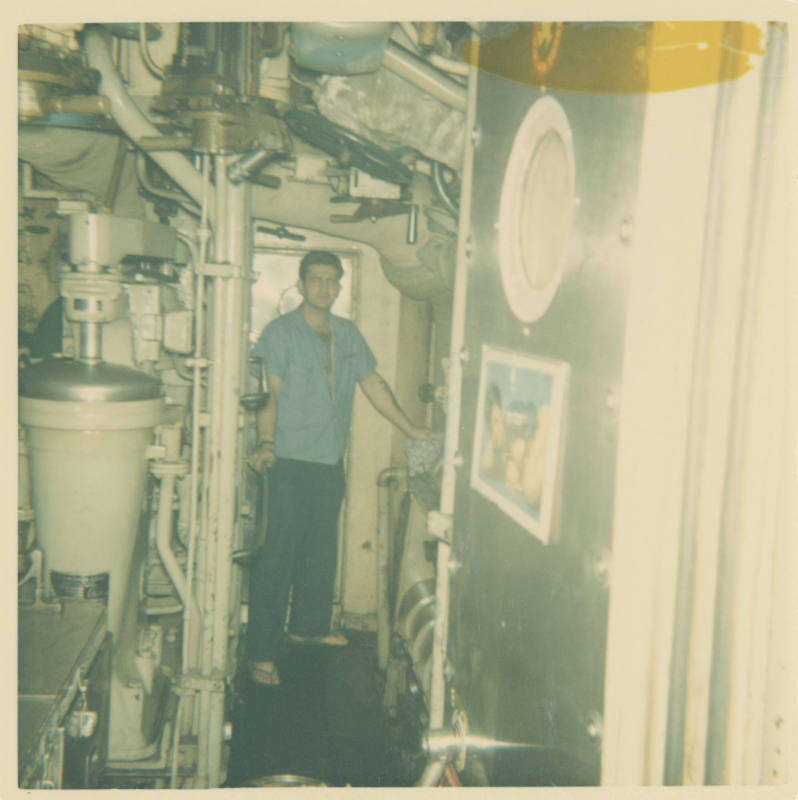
<point>88,429</point>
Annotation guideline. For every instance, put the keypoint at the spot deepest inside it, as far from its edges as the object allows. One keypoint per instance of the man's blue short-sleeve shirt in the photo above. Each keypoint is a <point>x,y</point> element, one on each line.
<point>312,422</point>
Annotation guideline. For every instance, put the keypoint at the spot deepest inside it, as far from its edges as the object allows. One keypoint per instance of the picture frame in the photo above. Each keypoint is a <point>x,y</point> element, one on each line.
<point>519,434</point>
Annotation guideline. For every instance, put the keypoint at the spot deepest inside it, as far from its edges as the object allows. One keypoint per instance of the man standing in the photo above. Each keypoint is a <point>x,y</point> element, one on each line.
<point>313,359</point>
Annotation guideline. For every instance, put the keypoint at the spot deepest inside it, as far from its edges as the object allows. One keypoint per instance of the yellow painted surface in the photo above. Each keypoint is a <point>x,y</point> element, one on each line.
<point>659,56</point>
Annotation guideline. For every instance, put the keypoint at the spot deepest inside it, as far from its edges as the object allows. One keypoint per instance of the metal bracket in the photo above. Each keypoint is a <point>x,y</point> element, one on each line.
<point>212,270</point>
<point>81,724</point>
<point>439,525</point>
<point>281,232</point>
<point>35,575</point>
<point>155,452</point>
<point>190,681</point>
<point>371,209</point>
<point>161,468</point>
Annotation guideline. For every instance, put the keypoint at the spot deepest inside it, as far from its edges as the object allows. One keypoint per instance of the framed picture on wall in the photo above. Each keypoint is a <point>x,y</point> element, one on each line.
<point>518,435</point>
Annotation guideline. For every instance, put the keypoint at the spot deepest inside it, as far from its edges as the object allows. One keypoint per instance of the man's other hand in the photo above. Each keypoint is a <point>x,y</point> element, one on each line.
<point>419,434</point>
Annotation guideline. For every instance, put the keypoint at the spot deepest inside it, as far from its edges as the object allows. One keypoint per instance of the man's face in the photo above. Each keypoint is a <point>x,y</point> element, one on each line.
<point>320,287</point>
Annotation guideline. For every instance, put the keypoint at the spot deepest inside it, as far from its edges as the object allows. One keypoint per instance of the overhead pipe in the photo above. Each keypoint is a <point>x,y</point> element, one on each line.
<point>438,61</point>
<point>146,56</point>
<point>131,120</point>
<point>418,72</point>
<point>422,271</point>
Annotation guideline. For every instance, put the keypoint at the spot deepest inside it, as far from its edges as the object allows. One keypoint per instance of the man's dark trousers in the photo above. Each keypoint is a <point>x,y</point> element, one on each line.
<point>301,548</point>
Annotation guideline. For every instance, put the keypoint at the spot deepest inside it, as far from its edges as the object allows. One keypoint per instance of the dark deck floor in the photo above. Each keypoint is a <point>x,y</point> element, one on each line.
<point>325,721</point>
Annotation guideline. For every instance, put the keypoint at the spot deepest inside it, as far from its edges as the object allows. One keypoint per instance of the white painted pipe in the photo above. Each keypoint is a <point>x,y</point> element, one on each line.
<point>191,626</point>
<point>210,532</point>
<point>131,120</point>
<point>211,490</point>
<point>418,72</point>
<point>451,446</point>
<point>163,535</point>
<point>232,246</point>
<point>385,483</point>
<point>438,61</point>
<point>433,772</point>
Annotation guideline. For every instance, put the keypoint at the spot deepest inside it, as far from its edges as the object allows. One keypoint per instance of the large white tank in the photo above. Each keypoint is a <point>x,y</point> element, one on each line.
<point>88,428</point>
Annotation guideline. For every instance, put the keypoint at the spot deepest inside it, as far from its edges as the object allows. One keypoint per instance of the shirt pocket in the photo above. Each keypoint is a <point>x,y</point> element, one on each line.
<point>347,366</point>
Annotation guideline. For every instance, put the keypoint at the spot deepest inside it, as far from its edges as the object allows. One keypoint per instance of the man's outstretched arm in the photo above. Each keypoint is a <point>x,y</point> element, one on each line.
<point>382,398</point>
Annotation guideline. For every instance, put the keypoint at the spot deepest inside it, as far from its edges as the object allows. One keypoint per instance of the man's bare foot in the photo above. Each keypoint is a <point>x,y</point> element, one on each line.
<point>334,639</point>
<point>264,673</point>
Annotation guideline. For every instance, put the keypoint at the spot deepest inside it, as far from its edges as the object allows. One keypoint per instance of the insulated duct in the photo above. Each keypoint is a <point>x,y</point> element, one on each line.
<point>83,160</point>
<point>422,271</point>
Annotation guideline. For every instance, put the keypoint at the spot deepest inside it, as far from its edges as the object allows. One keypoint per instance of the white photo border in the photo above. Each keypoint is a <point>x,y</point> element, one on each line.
<point>559,371</point>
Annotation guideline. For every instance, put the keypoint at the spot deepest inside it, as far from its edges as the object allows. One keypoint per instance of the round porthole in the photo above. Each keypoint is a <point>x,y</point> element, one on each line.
<point>536,210</point>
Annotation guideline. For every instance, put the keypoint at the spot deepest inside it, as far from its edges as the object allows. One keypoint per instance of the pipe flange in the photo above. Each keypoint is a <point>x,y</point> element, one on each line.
<point>162,468</point>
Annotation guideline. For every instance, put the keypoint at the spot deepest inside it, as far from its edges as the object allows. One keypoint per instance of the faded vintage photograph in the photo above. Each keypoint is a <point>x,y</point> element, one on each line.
<point>405,402</point>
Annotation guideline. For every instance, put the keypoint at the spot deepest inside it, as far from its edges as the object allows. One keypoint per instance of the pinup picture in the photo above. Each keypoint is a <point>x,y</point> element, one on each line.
<point>518,433</point>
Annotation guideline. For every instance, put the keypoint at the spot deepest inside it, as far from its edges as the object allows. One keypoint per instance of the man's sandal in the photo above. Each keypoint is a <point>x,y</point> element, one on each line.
<point>264,673</point>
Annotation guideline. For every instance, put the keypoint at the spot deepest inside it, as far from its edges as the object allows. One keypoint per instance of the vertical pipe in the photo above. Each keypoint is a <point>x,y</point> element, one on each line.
<point>205,744</point>
<point>451,457</point>
<point>90,342</point>
<point>385,483</point>
<point>163,535</point>
<point>189,639</point>
<point>244,261</point>
<point>717,750</point>
<point>694,454</point>
<point>197,524</point>
<point>209,722</point>
<point>233,246</point>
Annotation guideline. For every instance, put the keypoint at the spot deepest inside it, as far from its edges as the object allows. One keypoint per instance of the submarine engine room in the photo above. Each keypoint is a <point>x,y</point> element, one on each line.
<point>566,245</point>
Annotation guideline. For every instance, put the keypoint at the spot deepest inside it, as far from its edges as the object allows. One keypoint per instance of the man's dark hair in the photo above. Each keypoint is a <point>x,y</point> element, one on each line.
<point>319,257</point>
